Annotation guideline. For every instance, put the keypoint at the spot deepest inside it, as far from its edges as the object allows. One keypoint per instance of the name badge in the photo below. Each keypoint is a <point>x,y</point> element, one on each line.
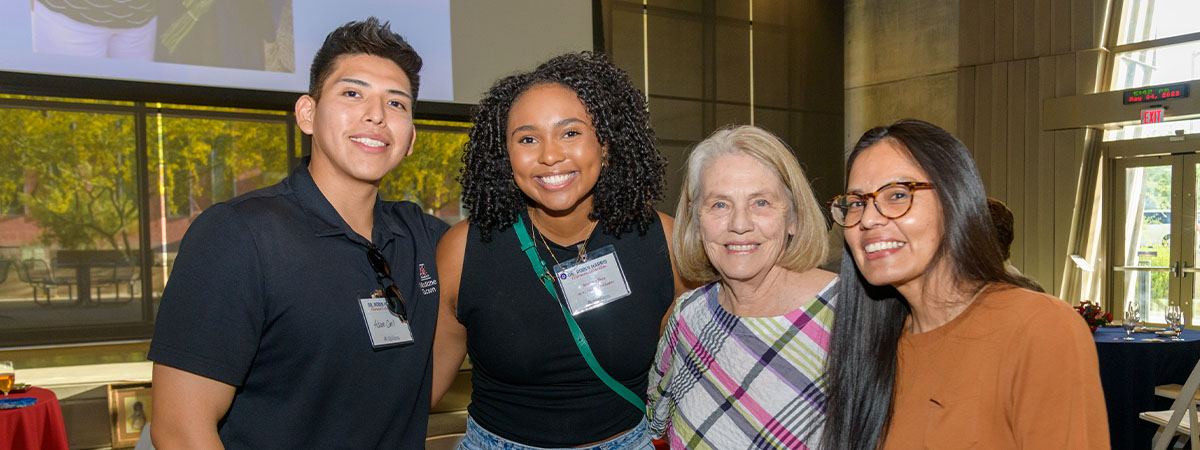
<point>596,281</point>
<point>385,329</point>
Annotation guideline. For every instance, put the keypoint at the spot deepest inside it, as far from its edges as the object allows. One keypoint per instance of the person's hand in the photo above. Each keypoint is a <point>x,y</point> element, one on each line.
<point>183,25</point>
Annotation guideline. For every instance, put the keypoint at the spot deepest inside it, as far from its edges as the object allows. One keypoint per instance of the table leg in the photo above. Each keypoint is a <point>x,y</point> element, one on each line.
<point>83,275</point>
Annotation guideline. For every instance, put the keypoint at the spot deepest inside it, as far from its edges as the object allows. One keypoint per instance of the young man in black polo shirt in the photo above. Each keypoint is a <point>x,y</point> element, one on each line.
<point>280,326</point>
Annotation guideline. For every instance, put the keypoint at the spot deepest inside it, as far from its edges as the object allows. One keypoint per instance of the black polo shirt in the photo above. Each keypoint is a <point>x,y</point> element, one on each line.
<point>264,296</point>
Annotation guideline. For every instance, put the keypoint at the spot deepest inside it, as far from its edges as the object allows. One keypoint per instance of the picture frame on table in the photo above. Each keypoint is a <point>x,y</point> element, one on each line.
<point>129,410</point>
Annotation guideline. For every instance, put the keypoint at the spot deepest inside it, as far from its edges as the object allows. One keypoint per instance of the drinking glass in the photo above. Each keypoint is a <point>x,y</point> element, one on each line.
<point>1174,318</point>
<point>6,376</point>
<point>1132,316</point>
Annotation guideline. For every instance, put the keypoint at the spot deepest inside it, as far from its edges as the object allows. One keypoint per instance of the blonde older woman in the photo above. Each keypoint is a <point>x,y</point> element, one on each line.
<point>742,359</point>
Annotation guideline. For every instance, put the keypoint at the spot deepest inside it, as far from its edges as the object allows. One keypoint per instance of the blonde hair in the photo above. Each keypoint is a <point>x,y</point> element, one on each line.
<point>805,250</point>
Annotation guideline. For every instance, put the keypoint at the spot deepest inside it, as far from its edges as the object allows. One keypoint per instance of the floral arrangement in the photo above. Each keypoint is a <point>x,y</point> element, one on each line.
<point>1093,315</point>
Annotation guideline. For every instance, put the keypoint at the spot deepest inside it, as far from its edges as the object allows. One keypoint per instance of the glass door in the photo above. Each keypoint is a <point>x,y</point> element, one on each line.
<point>1153,250</point>
<point>1190,223</point>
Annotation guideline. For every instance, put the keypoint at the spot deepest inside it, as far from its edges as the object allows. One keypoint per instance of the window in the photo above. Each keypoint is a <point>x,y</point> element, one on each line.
<point>197,161</point>
<point>75,237</point>
<point>1158,65</point>
<point>428,177</point>
<point>1148,20</point>
<point>1158,42</point>
<point>12,182</point>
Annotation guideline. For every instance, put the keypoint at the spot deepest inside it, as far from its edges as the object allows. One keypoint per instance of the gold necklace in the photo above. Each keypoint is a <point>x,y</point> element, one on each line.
<point>583,247</point>
<point>581,257</point>
<point>548,249</point>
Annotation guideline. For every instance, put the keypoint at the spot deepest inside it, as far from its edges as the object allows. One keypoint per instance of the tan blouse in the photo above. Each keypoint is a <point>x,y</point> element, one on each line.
<point>1016,370</point>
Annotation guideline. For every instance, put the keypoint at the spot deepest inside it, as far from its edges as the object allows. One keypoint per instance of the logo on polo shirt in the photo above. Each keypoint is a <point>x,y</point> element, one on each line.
<point>428,284</point>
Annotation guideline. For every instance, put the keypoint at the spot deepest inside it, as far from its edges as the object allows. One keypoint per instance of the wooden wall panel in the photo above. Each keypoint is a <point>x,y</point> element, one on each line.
<point>1066,80</point>
<point>969,17</point>
<point>1080,28</point>
<point>1027,221</point>
<point>998,163</point>
<point>1015,178</point>
<point>1005,30</point>
<point>1024,13</point>
<point>987,31</point>
<point>1039,230</point>
<point>1044,229</point>
<point>1043,27</point>
<point>966,107</point>
<point>1045,215</point>
<point>1060,26</point>
<point>1088,65</point>
<point>1064,197</point>
<point>983,120</point>
<point>1087,24</point>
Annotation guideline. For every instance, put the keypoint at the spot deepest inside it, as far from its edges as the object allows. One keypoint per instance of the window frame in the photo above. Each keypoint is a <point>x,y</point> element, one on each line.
<point>1115,50</point>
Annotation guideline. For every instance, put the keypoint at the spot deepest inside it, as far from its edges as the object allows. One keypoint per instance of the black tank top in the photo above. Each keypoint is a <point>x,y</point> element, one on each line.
<point>530,384</point>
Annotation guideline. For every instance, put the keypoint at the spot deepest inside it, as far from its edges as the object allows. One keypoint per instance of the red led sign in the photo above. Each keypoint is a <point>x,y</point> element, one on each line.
<point>1155,93</point>
<point>1152,115</point>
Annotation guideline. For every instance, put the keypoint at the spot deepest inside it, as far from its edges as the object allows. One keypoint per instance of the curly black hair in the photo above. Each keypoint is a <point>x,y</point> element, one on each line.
<point>631,181</point>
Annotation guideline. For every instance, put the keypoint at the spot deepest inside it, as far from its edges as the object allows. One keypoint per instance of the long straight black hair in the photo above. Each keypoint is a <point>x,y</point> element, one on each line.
<point>870,319</point>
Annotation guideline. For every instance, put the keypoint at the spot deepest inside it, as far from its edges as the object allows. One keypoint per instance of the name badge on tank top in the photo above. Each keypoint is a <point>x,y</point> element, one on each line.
<point>384,328</point>
<point>592,282</point>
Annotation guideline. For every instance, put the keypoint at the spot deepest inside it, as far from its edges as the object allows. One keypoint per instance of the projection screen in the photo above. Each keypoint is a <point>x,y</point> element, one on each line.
<point>267,45</point>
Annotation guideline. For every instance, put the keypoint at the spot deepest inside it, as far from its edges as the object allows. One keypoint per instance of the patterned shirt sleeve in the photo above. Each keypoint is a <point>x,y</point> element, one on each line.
<point>659,403</point>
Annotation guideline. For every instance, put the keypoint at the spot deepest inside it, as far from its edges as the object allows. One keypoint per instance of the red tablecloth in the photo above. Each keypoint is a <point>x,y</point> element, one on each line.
<point>37,427</point>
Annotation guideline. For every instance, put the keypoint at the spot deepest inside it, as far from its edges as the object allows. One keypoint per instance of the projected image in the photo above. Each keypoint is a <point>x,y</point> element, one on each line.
<point>237,34</point>
<point>100,28</point>
<point>242,44</point>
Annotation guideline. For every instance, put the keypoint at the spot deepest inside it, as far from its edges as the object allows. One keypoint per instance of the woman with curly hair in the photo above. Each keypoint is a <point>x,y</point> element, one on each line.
<point>558,282</point>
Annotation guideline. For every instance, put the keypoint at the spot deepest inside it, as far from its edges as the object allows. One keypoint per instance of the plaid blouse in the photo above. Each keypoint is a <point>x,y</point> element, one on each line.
<point>723,382</point>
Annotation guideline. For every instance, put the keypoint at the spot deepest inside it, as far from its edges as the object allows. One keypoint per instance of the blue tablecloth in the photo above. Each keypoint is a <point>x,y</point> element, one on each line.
<point>1129,370</point>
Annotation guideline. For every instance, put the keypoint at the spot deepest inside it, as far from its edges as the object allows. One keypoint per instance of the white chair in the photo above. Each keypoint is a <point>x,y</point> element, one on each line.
<point>1181,418</point>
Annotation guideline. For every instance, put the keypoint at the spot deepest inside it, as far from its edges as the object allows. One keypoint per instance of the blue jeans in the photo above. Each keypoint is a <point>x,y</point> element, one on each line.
<point>478,438</point>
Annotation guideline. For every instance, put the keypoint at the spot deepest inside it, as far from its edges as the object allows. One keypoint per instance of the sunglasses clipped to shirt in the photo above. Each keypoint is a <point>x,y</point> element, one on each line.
<point>395,301</point>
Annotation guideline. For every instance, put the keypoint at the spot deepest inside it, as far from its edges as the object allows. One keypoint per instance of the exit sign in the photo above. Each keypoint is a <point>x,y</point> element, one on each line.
<point>1153,115</point>
<point>1155,93</point>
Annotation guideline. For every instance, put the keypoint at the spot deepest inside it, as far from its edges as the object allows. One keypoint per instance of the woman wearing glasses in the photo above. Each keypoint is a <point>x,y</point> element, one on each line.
<point>558,283</point>
<point>742,359</point>
<point>935,345</point>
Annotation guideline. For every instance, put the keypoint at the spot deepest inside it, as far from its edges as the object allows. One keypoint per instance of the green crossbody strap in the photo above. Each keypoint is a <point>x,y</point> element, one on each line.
<point>539,267</point>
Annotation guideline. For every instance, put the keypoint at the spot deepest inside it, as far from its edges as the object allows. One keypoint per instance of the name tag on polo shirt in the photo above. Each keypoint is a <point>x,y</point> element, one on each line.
<point>385,329</point>
<point>595,282</point>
